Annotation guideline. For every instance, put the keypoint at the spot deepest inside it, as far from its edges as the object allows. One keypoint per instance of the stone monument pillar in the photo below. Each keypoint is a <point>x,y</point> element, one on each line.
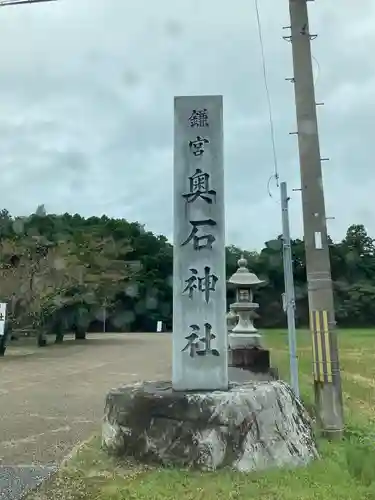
<point>200,353</point>
<point>200,420</point>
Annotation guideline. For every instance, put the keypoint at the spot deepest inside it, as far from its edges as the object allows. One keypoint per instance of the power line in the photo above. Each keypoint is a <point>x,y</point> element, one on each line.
<point>317,69</point>
<point>270,114</point>
<point>7,3</point>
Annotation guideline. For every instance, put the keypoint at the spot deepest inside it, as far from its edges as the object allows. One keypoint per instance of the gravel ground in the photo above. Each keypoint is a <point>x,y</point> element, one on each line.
<point>53,398</point>
<point>16,481</point>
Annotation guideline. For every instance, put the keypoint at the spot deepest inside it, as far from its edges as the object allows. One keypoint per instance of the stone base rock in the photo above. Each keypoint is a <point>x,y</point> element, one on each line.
<point>253,426</point>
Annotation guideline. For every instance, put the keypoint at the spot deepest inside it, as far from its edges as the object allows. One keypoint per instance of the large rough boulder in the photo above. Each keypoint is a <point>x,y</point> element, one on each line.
<point>252,426</point>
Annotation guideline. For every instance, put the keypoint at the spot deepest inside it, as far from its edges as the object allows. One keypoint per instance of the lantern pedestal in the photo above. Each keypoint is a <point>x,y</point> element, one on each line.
<point>251,358</point>
<point>244,340</point>
<point>244,334</point>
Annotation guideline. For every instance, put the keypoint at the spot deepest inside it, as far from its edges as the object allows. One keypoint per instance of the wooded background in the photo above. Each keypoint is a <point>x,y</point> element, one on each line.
<point>58,271</point>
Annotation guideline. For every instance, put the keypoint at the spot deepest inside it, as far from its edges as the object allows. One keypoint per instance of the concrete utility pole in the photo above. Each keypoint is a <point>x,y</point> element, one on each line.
<point>327,378</point>
<point>289,297</point>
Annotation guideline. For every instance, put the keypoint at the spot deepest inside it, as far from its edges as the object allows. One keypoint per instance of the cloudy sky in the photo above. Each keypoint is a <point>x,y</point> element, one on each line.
<point>86,108</point>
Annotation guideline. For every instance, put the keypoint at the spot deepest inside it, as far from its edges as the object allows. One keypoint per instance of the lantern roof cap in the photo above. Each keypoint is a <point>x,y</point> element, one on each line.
<point>243,277</point>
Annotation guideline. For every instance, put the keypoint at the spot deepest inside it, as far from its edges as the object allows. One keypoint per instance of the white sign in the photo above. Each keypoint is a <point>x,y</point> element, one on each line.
<point>159,326</point>
<point>200,357</point>
<point>318,240</point>
<point>3,311</point>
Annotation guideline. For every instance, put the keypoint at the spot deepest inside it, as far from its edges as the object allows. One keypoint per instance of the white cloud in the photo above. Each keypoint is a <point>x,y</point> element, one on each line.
<point>87,92</point>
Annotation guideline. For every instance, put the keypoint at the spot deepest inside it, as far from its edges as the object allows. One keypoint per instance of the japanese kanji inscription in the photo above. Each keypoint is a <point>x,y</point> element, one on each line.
<point>198,345</point>
<point>199,118</point>
<point>205,284</point>
<point>199,287</point>
<point>200,188</point>
<point>198,144</point>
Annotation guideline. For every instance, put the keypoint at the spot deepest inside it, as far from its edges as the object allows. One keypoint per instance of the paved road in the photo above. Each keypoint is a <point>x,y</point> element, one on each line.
<point>53,398</point>
<point>15,481</point>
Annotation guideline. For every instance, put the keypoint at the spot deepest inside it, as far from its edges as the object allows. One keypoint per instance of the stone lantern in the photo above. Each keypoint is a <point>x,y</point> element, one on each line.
<point>244,334</point>
<point>232,319</point>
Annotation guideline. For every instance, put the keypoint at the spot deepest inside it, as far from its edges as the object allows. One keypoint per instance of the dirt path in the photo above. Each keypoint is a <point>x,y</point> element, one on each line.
<point>53,398</point>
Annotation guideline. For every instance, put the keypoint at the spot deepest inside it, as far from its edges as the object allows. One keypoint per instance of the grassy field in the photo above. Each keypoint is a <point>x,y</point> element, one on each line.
<point>346,470</point>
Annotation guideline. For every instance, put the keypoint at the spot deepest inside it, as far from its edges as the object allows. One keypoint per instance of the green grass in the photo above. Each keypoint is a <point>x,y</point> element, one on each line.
<point>345,471</point>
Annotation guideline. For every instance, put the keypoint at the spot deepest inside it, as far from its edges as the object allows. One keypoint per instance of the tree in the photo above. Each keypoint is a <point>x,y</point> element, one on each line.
<point>97,271</point>
<point>58,273</point>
